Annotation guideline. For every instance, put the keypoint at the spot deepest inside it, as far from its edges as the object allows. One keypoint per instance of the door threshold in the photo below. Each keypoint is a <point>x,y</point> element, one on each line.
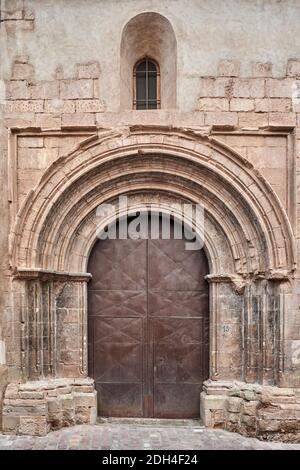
<point>193,423</point>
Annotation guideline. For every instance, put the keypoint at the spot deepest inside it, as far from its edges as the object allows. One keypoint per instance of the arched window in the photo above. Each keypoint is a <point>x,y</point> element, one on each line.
<point>146,84</point>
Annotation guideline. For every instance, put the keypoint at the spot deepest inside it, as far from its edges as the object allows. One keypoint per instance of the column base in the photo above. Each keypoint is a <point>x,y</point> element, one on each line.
<point>37,407</point>
<point>253,410</point>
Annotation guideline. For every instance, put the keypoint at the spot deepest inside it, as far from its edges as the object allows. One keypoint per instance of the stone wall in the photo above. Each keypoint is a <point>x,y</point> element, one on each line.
<point>35,408</point>
<point>252,410</point>
<point>238,100</point>
<point>53,103</point>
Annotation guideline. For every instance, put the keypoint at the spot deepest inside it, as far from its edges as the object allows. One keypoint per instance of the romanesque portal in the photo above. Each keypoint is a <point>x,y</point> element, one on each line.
<point>189,104</point>
<point>148,327</point>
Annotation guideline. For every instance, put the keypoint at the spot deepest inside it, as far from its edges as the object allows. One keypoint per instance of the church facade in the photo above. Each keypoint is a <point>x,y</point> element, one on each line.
<point>166,104</point>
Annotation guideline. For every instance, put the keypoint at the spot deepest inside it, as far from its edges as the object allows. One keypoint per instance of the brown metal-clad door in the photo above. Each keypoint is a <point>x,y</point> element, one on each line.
<point>117,315</point>
<point>178,314</point>
<point>148,327</point>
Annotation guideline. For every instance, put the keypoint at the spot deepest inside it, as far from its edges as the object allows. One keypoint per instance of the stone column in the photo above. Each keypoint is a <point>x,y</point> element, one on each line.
<point>54,325</point>
<point>264,309</point>
<point>226,339</point>
<point>53,390</point>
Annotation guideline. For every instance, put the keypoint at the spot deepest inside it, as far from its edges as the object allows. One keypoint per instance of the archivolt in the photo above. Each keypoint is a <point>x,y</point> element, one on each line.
<point>55,228</point>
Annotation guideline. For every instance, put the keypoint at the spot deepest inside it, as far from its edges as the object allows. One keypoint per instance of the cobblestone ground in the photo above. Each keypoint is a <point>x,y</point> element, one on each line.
<point>126,436</point>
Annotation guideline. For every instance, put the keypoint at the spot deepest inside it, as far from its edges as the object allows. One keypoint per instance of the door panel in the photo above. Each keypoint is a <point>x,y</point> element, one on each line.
<point>178,366</point>
<point>177,303</point>
<point>118,349</point>
<point>148,327</point>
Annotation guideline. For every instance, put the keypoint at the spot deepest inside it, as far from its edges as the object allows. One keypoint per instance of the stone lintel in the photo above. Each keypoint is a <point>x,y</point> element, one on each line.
<point>47,275</point>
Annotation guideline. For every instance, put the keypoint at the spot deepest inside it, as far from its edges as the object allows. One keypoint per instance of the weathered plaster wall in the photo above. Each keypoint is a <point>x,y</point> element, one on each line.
<point>238,81</point>
<point>206,31</point>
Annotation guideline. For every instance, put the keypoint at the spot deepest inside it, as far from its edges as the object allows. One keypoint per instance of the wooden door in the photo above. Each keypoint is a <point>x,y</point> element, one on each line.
<point>148,327</point>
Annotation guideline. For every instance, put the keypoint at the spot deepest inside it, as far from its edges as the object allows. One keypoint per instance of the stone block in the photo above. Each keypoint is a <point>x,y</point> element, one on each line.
<point>12,391</point>
<point>24,106</point>
<point>22,71</point>
<point>249,88</point>
<point>218,417</point>
<point>290,426</point>
<point>234,404</point>
<point>19,120</point>
<point>248,421</point>
<point>89,106</point>
<point>249,395</point>
<point>67,402</point>
<point>217,388</point>
<point>66,390</point>
<point>76,89</point>
<point>293,68</point>
<point>282,119</point>
<point>233,417</point>
<point>241,104</point>
<point>215,87</point>
<point>60,106</point>
<point>267,105</point>
<point>83,388</point>
<point>11,15</point>
<point>269,425</point>
<point>33,426</point>
<point>253,120</point>
<point>219,118</point>
<point>284,412</point>
<point>24,409</point>
<point>13,26</point>
<point>55,420</point>
<point>36,158</point>
<point>205,413</point>
<point>54,405</point>
<point>267,157</point>
<point>261,69</point>
<point>90,70</point>
<point>280,88</point>
<point>213,104</point>
<point>249,407</point>
<point>48,121</point>
<point>270,394</point>
<point>10,424</point>
<point>83,415</point>
<point>44,90</point>
<point>31,395</point>
<point>78,119</point>
<point>229,68</point>
<point>31,142</point>
<point>214,402</point>
<point>85,399</point>
<point>17,90</point>
<point>61,142</point>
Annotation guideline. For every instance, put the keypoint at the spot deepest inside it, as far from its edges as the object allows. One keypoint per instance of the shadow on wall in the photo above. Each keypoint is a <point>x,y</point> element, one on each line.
<point>149,35</point>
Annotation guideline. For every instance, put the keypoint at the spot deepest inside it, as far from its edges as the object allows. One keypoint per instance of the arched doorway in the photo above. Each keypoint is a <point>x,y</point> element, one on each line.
<point>148,326</point>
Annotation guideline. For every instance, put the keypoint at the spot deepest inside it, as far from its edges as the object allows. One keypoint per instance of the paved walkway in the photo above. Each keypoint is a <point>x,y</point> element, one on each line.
<point>126,436</point>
